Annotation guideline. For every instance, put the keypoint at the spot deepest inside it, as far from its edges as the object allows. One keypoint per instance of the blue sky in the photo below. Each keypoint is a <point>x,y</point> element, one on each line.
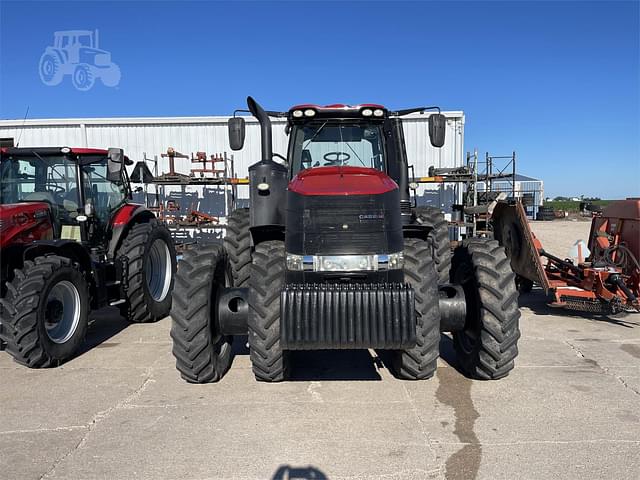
<point>556,81</point>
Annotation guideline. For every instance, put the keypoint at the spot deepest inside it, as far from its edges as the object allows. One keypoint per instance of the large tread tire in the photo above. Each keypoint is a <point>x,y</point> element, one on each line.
<point>202,355</point>
<point>488,345</point>
<point>270,362</point>
<point>24,312</point>
<point>140,305</point>
<point>420,362</point>
<point>438,239</point>
<point>237,242</point>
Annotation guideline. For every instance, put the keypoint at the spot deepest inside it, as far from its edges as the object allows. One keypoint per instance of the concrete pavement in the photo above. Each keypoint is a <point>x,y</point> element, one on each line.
<point>570,409</point>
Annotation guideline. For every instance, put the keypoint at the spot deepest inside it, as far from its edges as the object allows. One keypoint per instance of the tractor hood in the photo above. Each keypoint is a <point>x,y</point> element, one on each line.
<point>341,181</point>
<point>24,222</point>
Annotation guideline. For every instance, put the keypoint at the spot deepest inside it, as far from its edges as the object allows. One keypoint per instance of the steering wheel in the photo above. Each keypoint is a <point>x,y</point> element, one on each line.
<point>337,160</point>
<point>54,188</point>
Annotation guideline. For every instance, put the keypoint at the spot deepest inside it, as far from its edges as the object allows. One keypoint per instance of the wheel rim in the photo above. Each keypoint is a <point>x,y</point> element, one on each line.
<point>158,270</point>
<point>470,335</point>
<point>62,314</point>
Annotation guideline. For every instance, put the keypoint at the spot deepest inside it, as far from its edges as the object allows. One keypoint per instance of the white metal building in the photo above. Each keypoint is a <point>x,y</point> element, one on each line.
<point>152,136</point>
<point>530,190</point>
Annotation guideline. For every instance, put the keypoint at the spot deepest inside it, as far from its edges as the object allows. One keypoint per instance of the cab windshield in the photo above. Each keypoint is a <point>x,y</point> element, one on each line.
<point>331,143</point>
<point>52,179</point>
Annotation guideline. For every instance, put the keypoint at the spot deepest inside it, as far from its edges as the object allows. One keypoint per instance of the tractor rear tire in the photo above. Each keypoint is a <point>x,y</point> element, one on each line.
<point>48,286</point>
<point>270,362</point>
<point>50,69</point>
<point>488,344</point>
<point>420,362</point>
<point>237,242</point>
<point>438,239</point>
<point>151,260</point>
<point>202,354</point>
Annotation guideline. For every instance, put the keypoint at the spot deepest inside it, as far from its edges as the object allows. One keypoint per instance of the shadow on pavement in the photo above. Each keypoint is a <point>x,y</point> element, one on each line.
<point>103,325</point>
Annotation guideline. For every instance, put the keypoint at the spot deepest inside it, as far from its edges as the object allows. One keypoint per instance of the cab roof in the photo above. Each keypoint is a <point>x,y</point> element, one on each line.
<point>55,151</point>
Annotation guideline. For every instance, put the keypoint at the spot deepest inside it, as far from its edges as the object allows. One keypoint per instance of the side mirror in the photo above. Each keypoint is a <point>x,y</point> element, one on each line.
<point>236,133</point>
<point>437,129</point>
<point>115,163</point>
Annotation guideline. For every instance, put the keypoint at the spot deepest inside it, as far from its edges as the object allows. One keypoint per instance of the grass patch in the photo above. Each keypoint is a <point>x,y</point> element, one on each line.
<point>573,206</point>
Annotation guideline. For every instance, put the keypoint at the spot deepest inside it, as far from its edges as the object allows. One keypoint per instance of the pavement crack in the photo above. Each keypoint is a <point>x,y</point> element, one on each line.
<point>99,417</point>
<point>605,370</point>
<point>423,428</point>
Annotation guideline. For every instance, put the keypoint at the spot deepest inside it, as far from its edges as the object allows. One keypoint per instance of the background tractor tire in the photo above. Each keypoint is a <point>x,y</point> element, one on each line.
<point>488,345</point>
<point>270,362</point>
<point>45,312</point>
<point>111,76</point>
<point>152,266</point>
<point>50,69</point>
<point>202,355</point>
<point>438,239</point>
<point>419,362</point>
<point>83,77</point>
<point>237,243</point>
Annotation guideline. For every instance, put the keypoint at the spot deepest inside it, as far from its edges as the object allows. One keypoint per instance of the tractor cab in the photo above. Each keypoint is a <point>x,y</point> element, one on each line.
<point>72,186</point>
<point>336,136</point>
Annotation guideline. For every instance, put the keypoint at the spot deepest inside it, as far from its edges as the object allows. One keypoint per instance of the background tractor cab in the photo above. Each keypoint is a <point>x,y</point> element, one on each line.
<point>66,222</point>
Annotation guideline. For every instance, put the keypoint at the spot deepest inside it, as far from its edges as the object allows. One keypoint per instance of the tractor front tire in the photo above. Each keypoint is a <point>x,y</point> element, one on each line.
<point>45,312</point>
<point>83,77</point>
<point>270,362</point>
<point>419,362</point>
<point>237,243</point>
<point>202,354</point>
<point>488,344</point>
<point>111,75</point>
<point>151,259</point>
<point>438,239</point>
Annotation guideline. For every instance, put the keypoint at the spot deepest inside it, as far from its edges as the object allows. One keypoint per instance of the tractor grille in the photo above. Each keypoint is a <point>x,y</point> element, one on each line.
<point>347,316</point>
<point>343,224</point>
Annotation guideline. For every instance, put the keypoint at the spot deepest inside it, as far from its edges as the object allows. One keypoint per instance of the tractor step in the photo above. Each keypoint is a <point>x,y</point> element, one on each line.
<point>117,302</point>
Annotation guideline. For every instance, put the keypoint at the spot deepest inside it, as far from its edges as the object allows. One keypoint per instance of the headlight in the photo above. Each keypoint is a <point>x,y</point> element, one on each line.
<point>309,112</point>
<point>345,263</point>
<point>297,113</point>
<point>378,112</point>
<point>367,112</point>
<point>294,262</point>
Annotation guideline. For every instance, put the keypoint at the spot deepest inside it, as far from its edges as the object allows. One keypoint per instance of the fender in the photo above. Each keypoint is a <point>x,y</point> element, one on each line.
<point>122,220</point>
<point>415,230</point>
<point>65,248</point>
<point>61,54</point>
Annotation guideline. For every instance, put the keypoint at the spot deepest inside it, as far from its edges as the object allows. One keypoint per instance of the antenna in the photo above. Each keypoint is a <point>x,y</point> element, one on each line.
<point>22,128</point>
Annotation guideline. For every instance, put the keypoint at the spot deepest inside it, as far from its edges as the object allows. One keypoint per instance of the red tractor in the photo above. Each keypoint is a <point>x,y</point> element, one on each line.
<point>334,253</point>
<point>71,242</point>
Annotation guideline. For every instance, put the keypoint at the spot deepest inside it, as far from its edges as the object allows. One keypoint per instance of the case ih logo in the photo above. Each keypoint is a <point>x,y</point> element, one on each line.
<point>371,216</point>
<point>76,53</point>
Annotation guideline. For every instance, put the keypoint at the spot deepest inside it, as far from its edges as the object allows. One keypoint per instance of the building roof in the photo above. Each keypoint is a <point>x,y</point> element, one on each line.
<point>44,122</point>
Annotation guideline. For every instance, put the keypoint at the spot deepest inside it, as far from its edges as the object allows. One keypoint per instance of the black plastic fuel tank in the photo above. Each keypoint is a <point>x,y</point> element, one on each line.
<point>268,182</point>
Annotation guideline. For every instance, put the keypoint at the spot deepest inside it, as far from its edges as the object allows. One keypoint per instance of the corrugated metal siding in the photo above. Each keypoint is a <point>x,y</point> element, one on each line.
<point>153,135</point>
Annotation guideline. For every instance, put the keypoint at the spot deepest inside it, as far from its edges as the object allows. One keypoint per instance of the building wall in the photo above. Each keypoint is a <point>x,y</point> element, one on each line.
<point>152,136</point>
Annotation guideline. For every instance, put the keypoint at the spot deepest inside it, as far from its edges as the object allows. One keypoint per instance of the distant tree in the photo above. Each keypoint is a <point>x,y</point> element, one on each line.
<point>561,199</point>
